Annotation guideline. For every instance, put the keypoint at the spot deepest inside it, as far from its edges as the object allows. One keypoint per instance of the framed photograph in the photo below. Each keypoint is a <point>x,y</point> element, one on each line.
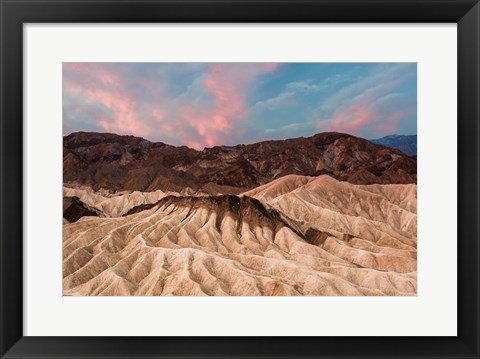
<point>239,178</point>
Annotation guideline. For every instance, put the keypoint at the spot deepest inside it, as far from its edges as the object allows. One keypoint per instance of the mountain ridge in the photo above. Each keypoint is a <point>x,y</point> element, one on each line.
<point>119,163</point>
<point>405,143</point>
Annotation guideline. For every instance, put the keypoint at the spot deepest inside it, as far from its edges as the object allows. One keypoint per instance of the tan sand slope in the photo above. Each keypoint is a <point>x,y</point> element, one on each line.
<point>373,212</point>
<point>303,236</point>
<point>374,226</point>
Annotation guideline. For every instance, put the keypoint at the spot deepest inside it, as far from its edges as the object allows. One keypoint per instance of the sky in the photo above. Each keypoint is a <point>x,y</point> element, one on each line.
<point>207,104</point>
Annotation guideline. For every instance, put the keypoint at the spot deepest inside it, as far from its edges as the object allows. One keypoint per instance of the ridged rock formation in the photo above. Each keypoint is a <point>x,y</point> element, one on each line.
<point>296,235</point>
<point>108,205</point>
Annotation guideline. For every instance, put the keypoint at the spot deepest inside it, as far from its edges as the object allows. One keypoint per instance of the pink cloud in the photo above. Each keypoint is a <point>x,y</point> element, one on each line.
<point>138,103</point>
<point>361,118</point>
<point>98,83</point>
<point>351,119</point>
<point>372,106</point>
<point>229,86</point>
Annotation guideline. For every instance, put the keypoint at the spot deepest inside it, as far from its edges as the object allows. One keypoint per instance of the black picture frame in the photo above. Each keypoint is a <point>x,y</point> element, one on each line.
<point>15,13</point>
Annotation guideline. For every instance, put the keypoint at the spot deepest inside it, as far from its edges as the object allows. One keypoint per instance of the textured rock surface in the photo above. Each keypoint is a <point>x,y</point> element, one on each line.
<point>112,205</point>
<point>296,235</point>
<point>74,209</point>
<point>122,163</point>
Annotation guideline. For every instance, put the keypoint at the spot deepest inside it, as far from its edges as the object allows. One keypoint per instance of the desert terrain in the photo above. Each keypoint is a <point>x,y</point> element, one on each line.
<point>328,215</point>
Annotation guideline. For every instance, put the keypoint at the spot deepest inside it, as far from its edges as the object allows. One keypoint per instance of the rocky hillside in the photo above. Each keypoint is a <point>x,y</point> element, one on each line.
<point>117,163</point>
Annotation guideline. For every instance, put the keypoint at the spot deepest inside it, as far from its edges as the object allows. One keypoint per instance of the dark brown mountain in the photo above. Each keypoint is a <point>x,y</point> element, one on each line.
<point>114,162</point>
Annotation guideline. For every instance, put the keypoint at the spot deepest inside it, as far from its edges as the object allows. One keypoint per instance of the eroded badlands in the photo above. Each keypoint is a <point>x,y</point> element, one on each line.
<point>296,235</point>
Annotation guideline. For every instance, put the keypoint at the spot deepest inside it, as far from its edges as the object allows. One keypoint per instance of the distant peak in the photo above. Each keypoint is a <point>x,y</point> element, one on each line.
<point>394,136</point>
